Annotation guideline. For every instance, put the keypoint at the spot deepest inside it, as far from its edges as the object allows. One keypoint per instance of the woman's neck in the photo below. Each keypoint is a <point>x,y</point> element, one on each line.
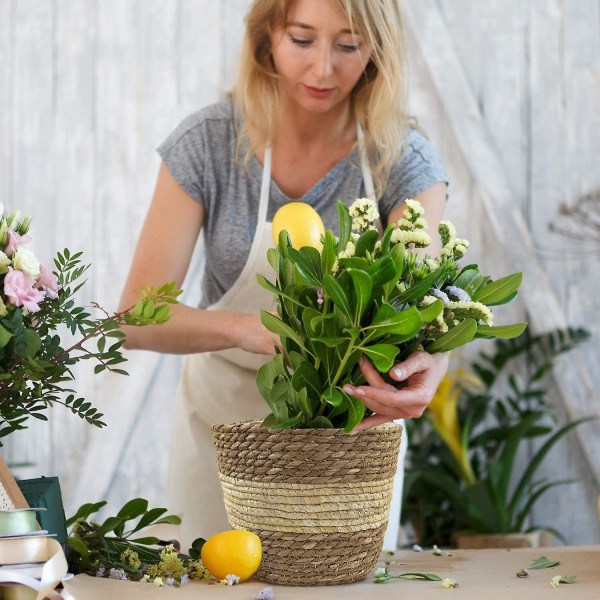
<point>303,129</point>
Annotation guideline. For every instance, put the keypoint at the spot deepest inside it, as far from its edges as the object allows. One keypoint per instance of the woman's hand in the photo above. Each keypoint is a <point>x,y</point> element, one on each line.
<point>251,335</point>
<point>418,377</point>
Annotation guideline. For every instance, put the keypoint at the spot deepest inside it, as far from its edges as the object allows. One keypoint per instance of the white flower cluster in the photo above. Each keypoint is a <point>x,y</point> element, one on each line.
<point>453,247</point>
<point>364,213</point>
<point>411,228</point>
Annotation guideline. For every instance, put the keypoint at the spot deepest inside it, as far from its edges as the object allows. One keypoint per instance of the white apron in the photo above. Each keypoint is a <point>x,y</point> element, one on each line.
<point>220,387</point>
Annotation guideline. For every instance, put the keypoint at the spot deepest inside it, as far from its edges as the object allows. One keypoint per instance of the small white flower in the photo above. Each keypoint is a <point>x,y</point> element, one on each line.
<point>264,594</point>
<point>555,581</point>
<point>449,584</point>
<point>414,209</point>
<point>230,580</point>
<point>380,572</point>
<point>25,260</point>
<point>418,237</point>
<point>158,582</point>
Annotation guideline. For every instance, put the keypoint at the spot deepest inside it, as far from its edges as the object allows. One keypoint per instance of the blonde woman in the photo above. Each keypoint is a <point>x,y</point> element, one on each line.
<point>317,114</point>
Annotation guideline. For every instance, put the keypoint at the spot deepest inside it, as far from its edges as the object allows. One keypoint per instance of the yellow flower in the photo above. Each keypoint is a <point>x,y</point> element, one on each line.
<point>443,413</point>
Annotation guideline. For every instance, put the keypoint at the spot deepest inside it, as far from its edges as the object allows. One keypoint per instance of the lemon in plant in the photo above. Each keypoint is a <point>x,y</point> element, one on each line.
<point>234,552</point>
<point>302,222</point>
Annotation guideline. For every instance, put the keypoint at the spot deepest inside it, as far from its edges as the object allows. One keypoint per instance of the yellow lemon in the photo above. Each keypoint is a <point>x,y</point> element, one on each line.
<point>302,222</point>
<point>235,552</point>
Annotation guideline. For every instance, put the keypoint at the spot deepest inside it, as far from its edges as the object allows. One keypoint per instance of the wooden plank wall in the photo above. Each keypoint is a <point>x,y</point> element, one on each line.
<point>88,89</point>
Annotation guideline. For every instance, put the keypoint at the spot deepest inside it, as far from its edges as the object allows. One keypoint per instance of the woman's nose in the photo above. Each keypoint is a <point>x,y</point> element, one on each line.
<point>323,62</point>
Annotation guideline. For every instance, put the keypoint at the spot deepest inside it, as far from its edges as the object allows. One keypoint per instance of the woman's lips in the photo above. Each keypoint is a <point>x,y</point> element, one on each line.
<point>318,92</point>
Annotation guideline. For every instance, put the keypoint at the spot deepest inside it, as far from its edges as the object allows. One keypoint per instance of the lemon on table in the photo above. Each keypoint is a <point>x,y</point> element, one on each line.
<point>235,552</point>
<point>302,222</point>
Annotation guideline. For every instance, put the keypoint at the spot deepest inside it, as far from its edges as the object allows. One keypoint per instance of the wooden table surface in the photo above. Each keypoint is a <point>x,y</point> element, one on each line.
<point>481,575</point>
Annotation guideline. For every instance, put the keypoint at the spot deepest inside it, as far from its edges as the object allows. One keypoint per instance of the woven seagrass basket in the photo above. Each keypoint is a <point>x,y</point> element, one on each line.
<point>317,498</point>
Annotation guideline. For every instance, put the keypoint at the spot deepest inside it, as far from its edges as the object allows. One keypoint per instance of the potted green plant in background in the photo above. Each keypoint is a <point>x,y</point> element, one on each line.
<point>296,479</point>
<point>461,477</point>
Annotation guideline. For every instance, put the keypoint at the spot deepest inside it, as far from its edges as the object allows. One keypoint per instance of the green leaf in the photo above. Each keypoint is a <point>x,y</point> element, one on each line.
<point>497,292</point>
<point>356,412</point>
<point>85,510</point>
<point>362,287</point>
<point>111,524</point>
<point>5,336</point>
<point>431,311</point>
<point>268,374</point>
<point>79,546</point>
<point>417,575</point>
<point>382,271</point>
<point>543,563</point>
<point>505,332</point>
<point>304,268</point>
<point>389,322</point>
<point>149,518</point>
<point>336,292</point>
<point>321,422</point>
<point>328,254</point>
<point>366,242</point>
<point>382,356</point>
<point>277,326</point>
<point>306,376</point>
<point>345,221</point>
<point>267,285</point>
<point>31,346</point>
<point>333,396</point>
<point>457,336</point>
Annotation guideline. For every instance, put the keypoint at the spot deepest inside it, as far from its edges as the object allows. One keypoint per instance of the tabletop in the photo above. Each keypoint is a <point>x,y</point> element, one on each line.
<point>489,574</point>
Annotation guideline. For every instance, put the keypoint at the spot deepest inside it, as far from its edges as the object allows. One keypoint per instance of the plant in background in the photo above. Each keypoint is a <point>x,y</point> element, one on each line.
<point>362,295</point>
<point>461,473</point>
<point>35,304</point>
<point>109,549</point>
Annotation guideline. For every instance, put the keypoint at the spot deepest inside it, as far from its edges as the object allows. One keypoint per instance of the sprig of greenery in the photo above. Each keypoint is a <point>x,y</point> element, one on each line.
<point>118,542</point>
<point>36,365</point>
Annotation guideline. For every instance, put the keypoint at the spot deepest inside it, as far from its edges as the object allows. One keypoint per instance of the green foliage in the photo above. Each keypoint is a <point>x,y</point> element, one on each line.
<point>36,365</point>
<point>494,421</point>
<point>361,296</point>
<point>119,543</point>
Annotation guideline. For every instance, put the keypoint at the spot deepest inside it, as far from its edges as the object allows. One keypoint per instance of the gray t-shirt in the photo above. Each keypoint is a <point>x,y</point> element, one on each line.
<point>201,156</point>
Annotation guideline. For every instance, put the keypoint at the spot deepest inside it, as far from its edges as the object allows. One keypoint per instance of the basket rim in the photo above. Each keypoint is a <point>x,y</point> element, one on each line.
<point>388,427</point>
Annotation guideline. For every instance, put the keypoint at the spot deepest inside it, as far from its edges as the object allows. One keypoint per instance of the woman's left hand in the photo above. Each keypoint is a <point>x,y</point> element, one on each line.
<point>418,377</point>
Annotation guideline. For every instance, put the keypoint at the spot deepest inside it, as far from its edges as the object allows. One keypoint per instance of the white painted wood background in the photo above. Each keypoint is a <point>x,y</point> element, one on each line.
<point>508,90</point>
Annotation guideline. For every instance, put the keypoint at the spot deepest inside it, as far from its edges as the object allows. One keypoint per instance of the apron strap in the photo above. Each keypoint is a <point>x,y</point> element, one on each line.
<point>364,164</point>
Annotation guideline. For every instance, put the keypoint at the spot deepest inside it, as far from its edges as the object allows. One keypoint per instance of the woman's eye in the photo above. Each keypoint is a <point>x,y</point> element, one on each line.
<point>350,47</point>
<point>300,41</point>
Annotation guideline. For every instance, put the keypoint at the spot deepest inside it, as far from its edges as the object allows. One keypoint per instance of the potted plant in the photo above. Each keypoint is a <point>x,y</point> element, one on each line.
<point>318,497</point>
<point>462,485</point>
<point>37,306</point>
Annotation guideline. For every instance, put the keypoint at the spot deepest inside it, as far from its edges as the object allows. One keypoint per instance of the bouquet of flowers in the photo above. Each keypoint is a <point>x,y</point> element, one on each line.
<point>366,295</point>
<point>35,303</point>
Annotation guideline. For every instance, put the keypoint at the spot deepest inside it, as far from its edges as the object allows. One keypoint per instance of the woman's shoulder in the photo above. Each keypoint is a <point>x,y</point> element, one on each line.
<point>213,120</point>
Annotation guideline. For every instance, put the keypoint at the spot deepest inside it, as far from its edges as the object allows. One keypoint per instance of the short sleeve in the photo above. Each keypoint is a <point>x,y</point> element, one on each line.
<point>419,168</point>
<point>183,152</point>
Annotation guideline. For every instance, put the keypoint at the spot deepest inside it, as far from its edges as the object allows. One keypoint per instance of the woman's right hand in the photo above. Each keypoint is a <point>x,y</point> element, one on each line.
<point>251,335</point>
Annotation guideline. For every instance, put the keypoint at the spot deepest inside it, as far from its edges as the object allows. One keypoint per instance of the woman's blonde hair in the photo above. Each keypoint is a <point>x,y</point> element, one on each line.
<point>378,100</point>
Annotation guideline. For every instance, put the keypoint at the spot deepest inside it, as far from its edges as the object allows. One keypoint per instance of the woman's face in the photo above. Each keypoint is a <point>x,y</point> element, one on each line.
<point>318,58</point>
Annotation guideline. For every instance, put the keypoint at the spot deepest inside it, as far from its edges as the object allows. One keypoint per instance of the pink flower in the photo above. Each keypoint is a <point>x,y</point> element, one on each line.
<point>15,240</point>
<point>48,282</point>
<point>19,289</point>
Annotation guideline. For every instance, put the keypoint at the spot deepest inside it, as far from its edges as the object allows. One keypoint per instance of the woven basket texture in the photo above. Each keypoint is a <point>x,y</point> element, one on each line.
<point>318,498</point>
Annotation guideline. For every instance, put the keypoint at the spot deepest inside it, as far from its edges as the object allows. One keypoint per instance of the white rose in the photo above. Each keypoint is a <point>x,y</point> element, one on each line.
<point>25,260</point>
<point>4,262</point>
<point>3,309</point>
